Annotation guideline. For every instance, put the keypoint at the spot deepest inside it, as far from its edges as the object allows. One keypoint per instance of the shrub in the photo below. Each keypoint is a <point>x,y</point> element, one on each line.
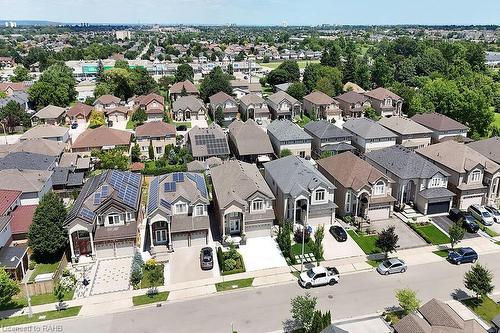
<point>298,234</point>
<point>32,265</point>
<point>181,128</point>
<point>136,275</point>
<point>150,265</point>
<point>229,264</point>
<point>67,283</point>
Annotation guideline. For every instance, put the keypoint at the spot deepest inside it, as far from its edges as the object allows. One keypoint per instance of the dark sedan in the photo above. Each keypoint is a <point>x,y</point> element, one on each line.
<point>462,255</point>
<point>468,221</point>
<point>338,233</point>
<point>206,258</point>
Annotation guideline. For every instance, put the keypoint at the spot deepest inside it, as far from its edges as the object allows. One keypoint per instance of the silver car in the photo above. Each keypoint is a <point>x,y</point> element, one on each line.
<point>393,265</point>
<point>481,214</point>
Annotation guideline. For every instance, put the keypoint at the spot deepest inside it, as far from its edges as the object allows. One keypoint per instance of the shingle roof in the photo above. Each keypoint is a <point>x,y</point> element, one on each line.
<point>24,180</point>
<point>438,122</point>
<point>249,138</point>
<point>102,136</point>
<point>79,109</point>
<point>251,99</point>
<point>436,192</point>
<point>198,144</point>
<point>107,99</point>
<point>381,93</point>
<point>7,199</point>
<point>39,146</point>
<point>27,161</point>
<point>146,99</point>
<point>320,98</point>
<point>22,217</point>
<point>438,313</point>
<point>488,147</point>
<point>188,102</point>
<point>352,97</point>
<point>367,128</point>
<point>403,126</point>
<point>50,112</point>
<point>280,96</point>
<point>220,98</point>
<point>176,88</point>
<point>155,129</point>
<point>285,130</point>
<point>325,130</point>
<point>44,131</point>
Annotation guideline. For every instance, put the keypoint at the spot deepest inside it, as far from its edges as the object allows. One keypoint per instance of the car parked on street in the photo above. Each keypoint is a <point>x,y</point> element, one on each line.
<point>338,233</point>
<point>319,276</point>
<point>468,221</point>
<point>390,266</point>
<point>206,258</point>
<point>481,214</point>
<point>495,212</point>
<point>462,255</point>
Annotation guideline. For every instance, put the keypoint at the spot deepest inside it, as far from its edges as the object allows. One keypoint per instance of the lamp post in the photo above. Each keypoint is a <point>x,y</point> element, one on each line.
<point>4,132</point>
<point>28,297</point>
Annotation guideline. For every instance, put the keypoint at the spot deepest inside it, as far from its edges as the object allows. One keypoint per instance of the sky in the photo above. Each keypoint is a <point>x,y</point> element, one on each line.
<point>256,12</point>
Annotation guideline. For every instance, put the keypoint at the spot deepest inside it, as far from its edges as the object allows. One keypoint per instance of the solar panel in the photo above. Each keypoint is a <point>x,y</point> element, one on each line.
<point>165,204</point>
<point>104,191</point>
<point>87,213</point>
<point>200,183</point>
<point>97,198</point>
<point>153,195</point>
<point>178,177</point>
<point>170,187</point>
<point>215,146</point>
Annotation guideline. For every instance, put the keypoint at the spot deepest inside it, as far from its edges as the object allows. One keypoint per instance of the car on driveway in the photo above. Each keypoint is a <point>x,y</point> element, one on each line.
<point>206,258</point>
<point>481,214</point>
<point>493,211</point>
<point>468,221</point>
<point>462,255</point>
<point>319,276</point>
<point>74,125</point>
<point>390,266</point>
<point>338,233</point>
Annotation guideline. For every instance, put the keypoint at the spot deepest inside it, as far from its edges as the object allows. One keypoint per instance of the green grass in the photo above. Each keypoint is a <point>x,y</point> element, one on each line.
<point>303,121</point>
<point>150,298</point>
<point>41,316</point>
<point>365,242</point>
<point>185,123</point>
<point>43,269</point>
<point>301,63</point>
<point>496,120</point>
<point>486,308</point>
<point>487,230</point>
<point>374,263</point>
<point>145,278</point>
<point>235,284</point>
<point>394,316</point>
<point>441,253</point>
<point>297,249</point>
<point>20,301</point>
<point>430,233</point>
<point>497,243</point>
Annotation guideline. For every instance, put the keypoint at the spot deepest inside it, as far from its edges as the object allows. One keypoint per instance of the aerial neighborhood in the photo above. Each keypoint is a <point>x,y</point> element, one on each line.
<point>170,163</point>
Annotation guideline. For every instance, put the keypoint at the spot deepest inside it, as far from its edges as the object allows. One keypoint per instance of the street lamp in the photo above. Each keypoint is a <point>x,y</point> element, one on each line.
<point>28,297</point>
<point>4,132</point>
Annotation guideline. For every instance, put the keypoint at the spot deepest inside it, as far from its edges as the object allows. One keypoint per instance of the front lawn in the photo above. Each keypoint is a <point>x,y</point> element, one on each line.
<point>182,123</point>
<point>20,301</point>
<point>297,249</point>
<point>235,284</point>
<point>43,269</point>
<point>150,298</point>
<point>365,242</point>
<point>430,233</point>
<point>485,308</point>
<point>303,121</point>
<point>145,282</point>
<point>374,263</point>
<point>41,316</point>
<point>441,253</point>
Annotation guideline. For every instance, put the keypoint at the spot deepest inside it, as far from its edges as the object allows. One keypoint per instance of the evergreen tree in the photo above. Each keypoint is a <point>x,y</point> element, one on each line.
<point>135,153</point>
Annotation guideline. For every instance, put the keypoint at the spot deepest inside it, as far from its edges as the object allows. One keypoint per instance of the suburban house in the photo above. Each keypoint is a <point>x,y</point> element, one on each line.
<point>79,113</point>
<point>157,134</point>
<point>28,161</point>
<point>303,194</point>
<point>321,106</point>
<point>473,177</point>
<point>32,184</point>
<point>328,138</point>
<point>368,135</point>
<point>385,102</point>
<point>227,104</point>
<point>186,108</point>
<point>248,142</point>
<point>253,106</point>
<point>21,219</point>
<point>180,88</point>
<point>9,88</point>
<point>488,147</point>
<point>436,316</point>
<point>283,106</point>
<point>36,146</point>
<point>286,135</point>
<point>243,202</point>
<point>53,115</point>
<point>242,88</point>
<point>49,132</point>
<point>417,181</point>
<point>361,189</point>
<point>103,220</point>
<point>153,104</point>
<point>117,115</point>
<point>409,133</point>
<point>353,104</point>
<point>177,211</point>
<point>101,138</point>
<point>106,102</point>
<point>210,141</point>
<point>442,126</point>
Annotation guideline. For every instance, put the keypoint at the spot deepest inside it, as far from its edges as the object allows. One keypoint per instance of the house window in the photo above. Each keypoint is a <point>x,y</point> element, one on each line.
<point>379,188</point>
<point>181,208</point>
<point>113,219</point>
<point>475,176</point>
<point>319,195</point>
<point>129,216</point>
<point>257,205</point>
<point>158,150</point>
<point>435,182</point>
<point>199,210</point>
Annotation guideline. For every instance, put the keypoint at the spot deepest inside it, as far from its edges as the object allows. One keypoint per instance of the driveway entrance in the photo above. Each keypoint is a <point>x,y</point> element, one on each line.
<point>407,237</point>
<point>261,253</point>
<point>111,275</point>
<point>185,265</point>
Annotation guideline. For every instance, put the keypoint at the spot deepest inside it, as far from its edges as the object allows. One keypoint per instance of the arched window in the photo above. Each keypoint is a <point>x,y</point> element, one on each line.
<point>379,188</point>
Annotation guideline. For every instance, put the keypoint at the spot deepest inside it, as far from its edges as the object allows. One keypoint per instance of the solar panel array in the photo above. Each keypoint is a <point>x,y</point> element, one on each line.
<point>127,184</point>
<point>215,146</point>
<point>170,186</point>
<point>87,213</point>
<point>153,195</point>
<point>97,198</point>
<point>178,177</point>
<point>200,183</point>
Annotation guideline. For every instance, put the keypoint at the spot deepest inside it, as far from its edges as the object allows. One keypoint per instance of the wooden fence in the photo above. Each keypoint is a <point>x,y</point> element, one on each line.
<point>46,287</point>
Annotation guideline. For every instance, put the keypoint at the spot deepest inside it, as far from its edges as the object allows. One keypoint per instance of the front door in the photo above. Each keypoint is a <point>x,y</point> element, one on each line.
<point>161,236</point>
<point>234,225</point>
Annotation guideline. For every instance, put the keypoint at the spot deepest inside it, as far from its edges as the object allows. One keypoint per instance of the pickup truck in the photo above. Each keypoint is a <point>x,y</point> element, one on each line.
<point>318,276</point>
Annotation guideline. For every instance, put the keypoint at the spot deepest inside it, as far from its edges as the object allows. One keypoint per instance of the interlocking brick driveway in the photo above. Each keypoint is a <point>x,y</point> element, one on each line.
<point>112,275</point>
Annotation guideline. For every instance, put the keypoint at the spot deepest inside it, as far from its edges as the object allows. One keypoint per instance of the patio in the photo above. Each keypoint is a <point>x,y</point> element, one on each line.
<point>261,253</point>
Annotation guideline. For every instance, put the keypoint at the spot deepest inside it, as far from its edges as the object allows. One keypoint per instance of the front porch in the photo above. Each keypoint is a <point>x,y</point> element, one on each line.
<point>233,229</point>
<point>81,243</point>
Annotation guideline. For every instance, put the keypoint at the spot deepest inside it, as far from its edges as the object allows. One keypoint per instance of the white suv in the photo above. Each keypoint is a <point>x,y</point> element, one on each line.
<point>481,214</point>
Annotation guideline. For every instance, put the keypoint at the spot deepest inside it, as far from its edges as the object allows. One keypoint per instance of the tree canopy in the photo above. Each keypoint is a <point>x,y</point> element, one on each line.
<point>56,86</point>
<point>215,82</point>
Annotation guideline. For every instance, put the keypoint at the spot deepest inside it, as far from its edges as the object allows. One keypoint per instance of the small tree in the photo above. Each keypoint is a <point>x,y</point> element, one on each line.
<point>219,116</point>
<point>320,321</point>
<point>456,233</point>
<point>151,151</point>
<point>8,287</point>
<point>387,241</point>
<point>318,243</point>
<point>371,113</point>
<point>139,116</point>
<point>408,300</point>
<point>479,280</point>
<point>285,152</point>
<point>59,293</point>
<point>302,311</point>
<point>154,278</point>
<point>135,153</point>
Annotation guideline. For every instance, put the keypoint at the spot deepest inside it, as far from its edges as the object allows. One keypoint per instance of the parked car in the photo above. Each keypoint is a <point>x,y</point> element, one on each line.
<point>495,212</point>
<point>338,233</point>
<point>74,125</point>
<point>464,254</point>
<point>481,214</point>
<point>468,221</point>
<point>318,276</point>
<point>206,258</point>
<point>259,122</point>
<point>390,266</point>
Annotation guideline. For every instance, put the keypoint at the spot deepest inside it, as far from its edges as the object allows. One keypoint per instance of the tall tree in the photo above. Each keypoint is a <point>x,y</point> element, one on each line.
<point>350,66</point>
<point>21,74</point>
<point>184,72</point>
<point>215,82</point>
<point>302,311</point>
<point>479,279</point>
<point>382,72</point>
<point>297,90</point>
<point>142,82</point>
<point>408,300</point>
<point>135,153</point>
<point>331,55</point>
<point>219,116</point>
<point>456,233</point>
<point>56,86</point>
<point>13,115</point>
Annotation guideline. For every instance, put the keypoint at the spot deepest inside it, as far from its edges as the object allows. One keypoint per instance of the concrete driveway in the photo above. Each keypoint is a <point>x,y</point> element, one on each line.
<point>335,250</point>
<point>111,275</point>
<point>201,123</point>
<point>495,227</point>
<point>444,223</point>
<point>185,265</point>
<point>407,237</point>
<point>75,133</point>
<point>261,253</point>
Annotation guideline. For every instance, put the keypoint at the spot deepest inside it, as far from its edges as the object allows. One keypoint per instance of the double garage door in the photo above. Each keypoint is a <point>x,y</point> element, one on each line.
<point>472,200</point>
<point>379,213</point>
<point>258,230</point>
<point>438,207</point>
<point>115,249</point>
<point>184,239</point>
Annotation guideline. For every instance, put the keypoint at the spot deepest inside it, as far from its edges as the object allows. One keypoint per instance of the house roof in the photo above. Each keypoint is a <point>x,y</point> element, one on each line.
<point>251,99</point>
<point>351,171</point>
<point>403,126</point>
<point>155,129</point>
<point>244,85</point>
<point>188,102</point>
<point>40,146</point>
<point>144,100</point>
<point>24,180</point>
<point>190,88</point>
<point>9,255</point>
<point>7,199</point>
<point>20,97</point>
<point>27,161</point>
<point>488,147</point>
<point>404,163</point>
<point>44,131</point>
<point>325,130</point>
<point>50,112</point>
<point>438,122</point>
<point>436,192</point>
<point>381,93</point>
<point>66,176</point>
<point>294,175</point>
<point>15,86</point>
<point>22,217</point>
<point>79,109</point>
<point>249,138</point>
<point>457,156</point>
<point>237,181</point>
<point>278,97</point>
<point>285,130</point>
<point>367,128</point>
<point>102,136</point>
<point>352,97</point>
<point>208,141</point>
<point>107,99</point>
<point>220,97</point>
<point>320,98</point>
<point>120,109</point>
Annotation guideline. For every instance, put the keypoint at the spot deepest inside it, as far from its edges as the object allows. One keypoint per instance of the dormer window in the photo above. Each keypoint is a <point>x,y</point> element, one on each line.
<point>475,176</point>
<point>379,188</point>
<point>319,195</point>
<point>181,208</point>
<point>257,205</point>
<point>199,210</point>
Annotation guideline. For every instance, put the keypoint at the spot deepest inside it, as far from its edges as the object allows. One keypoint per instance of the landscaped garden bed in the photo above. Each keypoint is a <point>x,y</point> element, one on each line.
<point>430,233</point>
<point>291,247</point>
<point>230,261</point>
<point>146,275</point>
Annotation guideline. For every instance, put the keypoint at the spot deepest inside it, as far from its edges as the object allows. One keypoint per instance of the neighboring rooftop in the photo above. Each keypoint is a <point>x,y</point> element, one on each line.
<point>403,125</point>
<point>208,141</point>
<point>324,129</point>
<point>280,96</point>
<point>190,102</point>
<point>188,86</point>
<point>44,131</point>
<point>7,199</point>
<point>27,161</point>
<point>320,98</point>
<point>101,137</point>
<point>352,97</point>
<point>488,147</point>
<point>107,99</point>
<point>249,138</point>
<point>39,146</point>
<point>285,130</point>
<point>381,93</point>
<point>79,109</point>
<point>24,180</point>
<point>22,217</point>
<point>367,128</point>
<point>438,122</point>
<point>155,129</point>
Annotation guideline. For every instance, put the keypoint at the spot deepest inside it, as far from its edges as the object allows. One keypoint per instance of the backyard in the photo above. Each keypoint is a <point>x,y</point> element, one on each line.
<point>43,269</point>
<point>365,242</point>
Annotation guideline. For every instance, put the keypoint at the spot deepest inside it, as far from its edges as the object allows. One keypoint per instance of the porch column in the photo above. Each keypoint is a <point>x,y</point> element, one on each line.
<point>243,228</point>
<point>92,244</point>
<point>151,234</point>
<point>223,225</point>
<point>357,206</point>
<point>285,209</point>
<point>169,223</point>
<point>294,211</point>
<point>402,195</point>
<point>71,245</point>
<point>307,214</point>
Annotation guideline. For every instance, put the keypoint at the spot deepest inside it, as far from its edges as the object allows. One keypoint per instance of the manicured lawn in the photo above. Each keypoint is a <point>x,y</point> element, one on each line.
<point>303,122</point>
<point>431,234</point>
<point>441,253</point>
<point>150,298</point>
<point>486,308</point>
<point>365,242</point>
<point>20,301</point>
<point>487,230</point>
<point>301,63</point>
<point>185,123</point>
<point>374,263</point>
<point>43,269</point>
<point>145,279</point>
<point>235,284</point>
<point>297,249</point>
<point>42,316</point>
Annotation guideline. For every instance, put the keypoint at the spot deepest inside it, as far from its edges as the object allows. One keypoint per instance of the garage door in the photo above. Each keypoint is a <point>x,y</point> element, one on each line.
<point>124,248</point>
<point>180,240</point>
<point>81,120</point>
<point>198,238</point>
<point>104,250</point>
<point>258,230</point>
<point>438,207</point>
<point>378,213</point>
<point>467,201</point>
